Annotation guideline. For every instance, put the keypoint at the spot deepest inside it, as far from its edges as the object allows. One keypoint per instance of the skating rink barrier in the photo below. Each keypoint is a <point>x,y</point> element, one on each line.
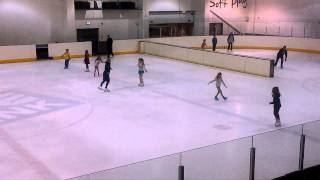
<point>22,53</point>
<point>286,150</point>
<point>27,53</point>
<point>239,63</point>
<point>305,45</point>
<point>77,49</point>
<point>126,46</point>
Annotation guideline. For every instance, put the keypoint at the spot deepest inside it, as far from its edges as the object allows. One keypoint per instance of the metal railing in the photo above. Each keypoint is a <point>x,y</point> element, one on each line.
<point>262,156</point>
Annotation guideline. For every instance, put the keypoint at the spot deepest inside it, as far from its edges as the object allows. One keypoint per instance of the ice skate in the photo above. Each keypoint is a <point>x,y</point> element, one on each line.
<point>277,124</point>
<point>106,90</point>
<point>216,98</point>
<point>225,98</point>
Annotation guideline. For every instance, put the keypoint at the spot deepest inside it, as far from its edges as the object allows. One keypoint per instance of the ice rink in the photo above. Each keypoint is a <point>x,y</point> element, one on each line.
<point>56,124</point>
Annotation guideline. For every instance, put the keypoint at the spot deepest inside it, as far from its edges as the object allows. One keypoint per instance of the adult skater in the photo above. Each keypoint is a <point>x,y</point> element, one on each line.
<point>87,60</point>
<point>67,57</point>
<point>204,44</point>
<point>218,79</point>
<point>106,75</point>
<point>282,52</point>
<point>230,41</point>
<point>141,70</point>
<point>214,42</point>
<point>109,47</point>
<point>276,105</point>
<point>96,66</point>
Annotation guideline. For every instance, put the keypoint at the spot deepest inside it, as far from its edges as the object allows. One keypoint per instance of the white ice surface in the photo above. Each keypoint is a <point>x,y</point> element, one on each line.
<point>84,130</point>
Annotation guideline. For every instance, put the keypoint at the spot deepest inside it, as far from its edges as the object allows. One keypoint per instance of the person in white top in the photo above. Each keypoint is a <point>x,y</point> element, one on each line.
<point>218,79</point>
<point>96,66</point>
<point>141,70</point>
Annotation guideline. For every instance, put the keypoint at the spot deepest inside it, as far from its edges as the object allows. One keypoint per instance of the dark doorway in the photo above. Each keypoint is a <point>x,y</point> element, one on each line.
<point>92,35</point>
<point>215,28</point>
<point>42,51</point>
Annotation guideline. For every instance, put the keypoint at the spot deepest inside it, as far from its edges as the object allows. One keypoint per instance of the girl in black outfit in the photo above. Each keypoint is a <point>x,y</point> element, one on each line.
<point>282,52</point>
<point>276,105</point>
<point>87,60</point>
<point>106,75</point>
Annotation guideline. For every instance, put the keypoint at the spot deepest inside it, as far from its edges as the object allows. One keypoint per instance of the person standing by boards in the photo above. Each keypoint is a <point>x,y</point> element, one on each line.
<point>214,42</point>
<point>67,57</point>
<point>87,60</point>
<point>276,105</point>
<point>282,52</point>
<point>109,47</point>
<point>230,41</point>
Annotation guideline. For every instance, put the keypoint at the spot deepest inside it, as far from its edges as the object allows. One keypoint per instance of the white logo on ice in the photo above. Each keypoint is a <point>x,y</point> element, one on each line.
<point>20,105</point>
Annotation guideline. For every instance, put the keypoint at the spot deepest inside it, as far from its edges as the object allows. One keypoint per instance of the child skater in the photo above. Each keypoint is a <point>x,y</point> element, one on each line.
<point>142,69</point>
<point>204,44</point>
<point>87,60</point>
<point>282,52</point>
<point>106,75</point>
<point>218,81</point>
<point>96,65</point>
<point>276,105</point>
<point>67,58</point>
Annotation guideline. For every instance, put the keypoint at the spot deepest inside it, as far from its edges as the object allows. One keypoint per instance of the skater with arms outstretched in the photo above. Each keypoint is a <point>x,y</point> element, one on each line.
<point>218,79</point>
<point>106,75</point>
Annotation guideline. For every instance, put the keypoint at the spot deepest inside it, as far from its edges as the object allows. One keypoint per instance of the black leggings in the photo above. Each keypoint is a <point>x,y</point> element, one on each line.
<point>279,57</point>
<point>230,46</point>
<point>214,47</point>
<point>110,52</point>
<point>276,112</point>
<point>106,78</point>
<point>87,66</point>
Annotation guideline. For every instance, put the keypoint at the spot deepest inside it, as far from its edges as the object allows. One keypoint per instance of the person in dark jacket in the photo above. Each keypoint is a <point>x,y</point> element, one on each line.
<point>276,105</point>
<point>282,52</point>
<point>106,75</point>
<point>87,60</point>
<point>230,41</point>
<point>214,42</point>
<point>109,47</point>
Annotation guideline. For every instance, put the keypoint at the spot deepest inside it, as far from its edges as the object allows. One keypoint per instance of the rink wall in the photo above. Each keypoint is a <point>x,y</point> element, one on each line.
<point>22,53</point>
<point>77,49</point>
<point>239,63</point>
<point>126,46</point>
<point>304,45</point>
<point>26,53</point>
